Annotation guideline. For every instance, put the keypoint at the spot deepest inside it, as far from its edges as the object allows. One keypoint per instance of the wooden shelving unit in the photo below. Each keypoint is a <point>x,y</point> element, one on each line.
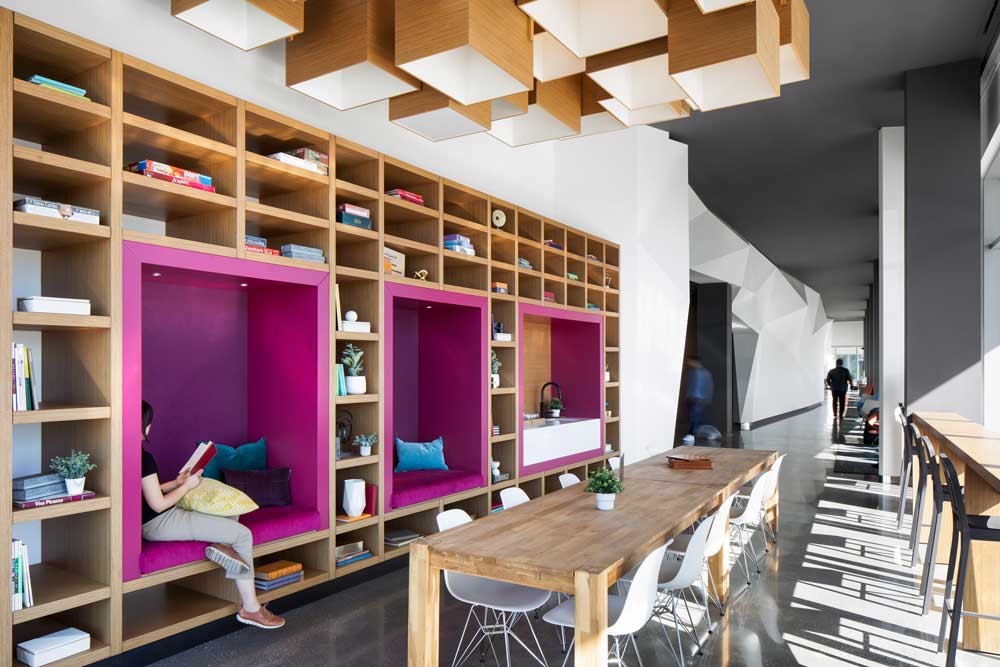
<point>77,151</point>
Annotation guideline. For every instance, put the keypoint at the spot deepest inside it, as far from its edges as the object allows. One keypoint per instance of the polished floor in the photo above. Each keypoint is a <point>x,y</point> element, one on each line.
<point>835,591</point>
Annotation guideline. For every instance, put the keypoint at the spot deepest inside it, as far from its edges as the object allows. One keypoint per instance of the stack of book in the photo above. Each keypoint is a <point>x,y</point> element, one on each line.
<point>43,489</point>
<point>277,574</point>
<point>308,253</point>
<point>549,296</point>
<point>305,158</point>
<point>400,537</point>
<point>552,244</point>
<point>51,209</point>
<point>24,382</point>
<point>406,195</point>
<point>572,276</point>
<point>52,84</point>
<point>20,576</point>
<point>592,306</point>
<point>523,263</point>
<point>498,507</point>
<point>352,553</point>
<point>495,430</point>
<point>355,216</point>
<point>166,172</point>
<point>258,245</point>
<point>592,257</point>
<point>459,243</point>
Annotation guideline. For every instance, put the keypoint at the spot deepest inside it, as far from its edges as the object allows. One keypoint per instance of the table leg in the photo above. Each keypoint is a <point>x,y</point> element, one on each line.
<point>424,608</point>
<point>591,619</point>
<point>718,565</point>
<point>980,634</point>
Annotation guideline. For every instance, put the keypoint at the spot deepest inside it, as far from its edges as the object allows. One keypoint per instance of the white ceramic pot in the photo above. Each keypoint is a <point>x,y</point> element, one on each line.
<point>495,380</point>
<point>365,450</point>
<point>74,487</point>
<point>356,385</point>
<point>354,497</point>
<point>607,376</point>
<point>605,501</point>
<point>556,413</point>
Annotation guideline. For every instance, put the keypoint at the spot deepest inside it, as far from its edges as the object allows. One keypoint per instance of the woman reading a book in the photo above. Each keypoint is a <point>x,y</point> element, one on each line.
<point>232,542</point>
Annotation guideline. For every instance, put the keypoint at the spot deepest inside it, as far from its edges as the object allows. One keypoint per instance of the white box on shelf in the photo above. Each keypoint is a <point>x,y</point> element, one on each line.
<point>394,262</point>
<point>356,327</point>
<point>56,646</point>
<point>502,337</point>
<point>51,209</point>
<point>52,304</point>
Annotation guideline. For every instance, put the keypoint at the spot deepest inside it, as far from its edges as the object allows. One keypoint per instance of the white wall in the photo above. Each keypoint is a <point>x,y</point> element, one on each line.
<point>991,309</point>
<point>781,335</point>
<point>892,291</point>
<point>847,334</point>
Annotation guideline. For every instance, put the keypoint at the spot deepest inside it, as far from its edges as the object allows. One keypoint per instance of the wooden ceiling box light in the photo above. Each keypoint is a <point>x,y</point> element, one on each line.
<point>511,105</point>
<point>657,113</point>
<point>553,60</point>
<point>553,113</point>
<point>794,19</point>
<point>594,118</point>
<point>589,27</point>
<point>636,75</point>
<point>246,24</point>
<point>470,50</point>
<point>727,57</point>
<point>435,116</point>
<point>709,6</point>
<point>344,57</point>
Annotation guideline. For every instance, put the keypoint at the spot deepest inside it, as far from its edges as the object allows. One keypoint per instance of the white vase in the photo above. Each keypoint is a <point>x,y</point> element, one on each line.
<point>365,450</point>
<point>356,385</point>
<point>495,380</point>
<point>74,487</point>
<point>605,501</point>
<point>556,413</point>
<point>607,376</point>
<point>354,497</point>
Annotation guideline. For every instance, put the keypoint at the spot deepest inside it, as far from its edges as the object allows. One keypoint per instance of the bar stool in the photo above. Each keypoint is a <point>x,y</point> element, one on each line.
<point>967,529</point>
<point>916,521</point>
<point>908,452</point>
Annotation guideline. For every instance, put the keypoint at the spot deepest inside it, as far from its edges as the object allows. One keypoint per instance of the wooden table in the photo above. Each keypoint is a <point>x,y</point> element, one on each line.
<point>561,542</point>
<point>975,451</point>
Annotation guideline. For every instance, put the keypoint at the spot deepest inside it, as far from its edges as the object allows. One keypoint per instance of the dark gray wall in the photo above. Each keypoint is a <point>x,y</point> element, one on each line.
<point>715,346</point>
<point>943,237</point>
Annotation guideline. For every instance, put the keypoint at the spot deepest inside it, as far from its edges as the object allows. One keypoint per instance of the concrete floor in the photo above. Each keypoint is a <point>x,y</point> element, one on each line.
<point>834,591</point>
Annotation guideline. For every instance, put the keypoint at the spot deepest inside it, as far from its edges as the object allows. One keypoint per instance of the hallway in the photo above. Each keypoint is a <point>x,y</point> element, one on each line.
<point>843,596</point>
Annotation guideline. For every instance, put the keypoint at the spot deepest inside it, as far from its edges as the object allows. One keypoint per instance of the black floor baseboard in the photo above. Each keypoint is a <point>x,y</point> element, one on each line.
<point>784,415</point>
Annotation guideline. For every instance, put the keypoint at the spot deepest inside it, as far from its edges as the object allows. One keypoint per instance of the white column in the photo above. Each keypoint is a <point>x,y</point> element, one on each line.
<point>892,321</point>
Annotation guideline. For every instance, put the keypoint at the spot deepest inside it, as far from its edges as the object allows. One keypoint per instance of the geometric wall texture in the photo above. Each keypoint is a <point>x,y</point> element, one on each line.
<point>781,335</point>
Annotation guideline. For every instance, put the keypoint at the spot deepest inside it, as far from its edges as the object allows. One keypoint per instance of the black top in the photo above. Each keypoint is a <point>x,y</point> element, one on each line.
<point>839,379</point>
<point>148,468</point>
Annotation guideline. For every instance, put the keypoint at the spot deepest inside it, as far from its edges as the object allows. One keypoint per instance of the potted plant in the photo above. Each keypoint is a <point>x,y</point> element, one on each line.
<point>555,406</point>
<point>605,485</point>
<point>495,366</point>
<point>353,359</point>
<point>607,372</point>
<point>364,442</point>
<point>73,469</point>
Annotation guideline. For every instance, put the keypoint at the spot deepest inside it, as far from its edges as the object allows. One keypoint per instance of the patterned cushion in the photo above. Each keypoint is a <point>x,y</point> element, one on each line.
<point>214,497</point>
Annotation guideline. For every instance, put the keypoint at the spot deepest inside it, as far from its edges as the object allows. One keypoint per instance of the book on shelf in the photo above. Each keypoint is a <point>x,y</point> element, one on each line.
<point>343,518</point>
<point>22,595</point>
<point>398,537</point>
<point>257,250</point>
<point>311,154</point>
<point>341,381</point>
<point>496,508</point>
<point>371,498</point>
<point>356,327</point>
<point>308,165</point>
<point>354,220</point>
<point>53,647</point>
<point>552,244</point>
<point>548,296</point>
<point>340,310</point>
<point>461,249</point>
<point>406,195</point>
<point>52,84</point>
<point>350,549</point>
<point>52,304</point>
<point>200,457</point>
<point>364,555</point>
<point>24,383</point>
<point>148,167</point>
<point>276,570</point>
<point>195,185</point>
<point>459,239</point>
<point>53,209</point>
<point>258,241</point>
<point>393,262</point>
<point>272,584</point>
<point>39,485</point>
<point>354,209</point>
<point>305,256</point>
<point>54,500</point>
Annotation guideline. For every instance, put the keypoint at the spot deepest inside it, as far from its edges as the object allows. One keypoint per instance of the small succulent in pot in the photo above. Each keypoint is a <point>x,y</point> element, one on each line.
<point>495,365</point>
<point>352,357</point>
<point>605,485</point>
<point>364,442</point>
<point>555,406</point>
<point>73,469</point>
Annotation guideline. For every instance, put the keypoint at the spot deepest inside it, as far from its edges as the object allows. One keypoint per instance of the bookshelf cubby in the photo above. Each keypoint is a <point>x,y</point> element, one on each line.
<point>77,151</point>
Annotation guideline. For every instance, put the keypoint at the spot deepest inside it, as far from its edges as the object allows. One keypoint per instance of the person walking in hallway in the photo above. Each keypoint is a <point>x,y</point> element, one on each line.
<point>839,380</point>
<point>699,396</point>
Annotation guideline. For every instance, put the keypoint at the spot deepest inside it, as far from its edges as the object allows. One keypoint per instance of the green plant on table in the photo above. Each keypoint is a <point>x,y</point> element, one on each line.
<point>604,481</point>
<point>365,439</point>
<point>74,466</point>
<point>495,363</point>
<point>353,359</point>
<point>556,404</point>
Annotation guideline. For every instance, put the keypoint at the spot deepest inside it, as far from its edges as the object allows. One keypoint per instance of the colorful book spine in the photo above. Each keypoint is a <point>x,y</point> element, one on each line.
<point>151,166</point>
<point>308,165</point>
<point>354,220</point>
<point>406,195</point>
<point>179,181</point>
<point>353,209</point>
<point>354,559</point>
<point>59,500</point>
<point>303,249</point>
<point>257,250</point>
<point>278,583</point>
<point>341,381</point>
<point>311,154</point>
<point>258,241</point>
<point>57,85</point>
<point>276,570</point>
<point>457,238</point>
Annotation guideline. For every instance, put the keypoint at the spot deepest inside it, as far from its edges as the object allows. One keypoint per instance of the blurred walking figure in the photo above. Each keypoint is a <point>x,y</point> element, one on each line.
<point>839,380</point>
<point>699,396</point>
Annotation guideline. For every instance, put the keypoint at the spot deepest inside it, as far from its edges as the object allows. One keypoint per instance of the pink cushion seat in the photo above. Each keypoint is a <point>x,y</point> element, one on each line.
<point>267,525</point>
<point>419,486</point>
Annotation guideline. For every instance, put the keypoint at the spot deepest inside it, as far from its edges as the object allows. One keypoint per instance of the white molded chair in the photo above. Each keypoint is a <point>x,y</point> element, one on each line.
<point>626,614</point>
<point>568,479</point>
<point>513,496</point>
<point>615,462</point>
<point>775,471</point>
<point>718,536</point>
<point>749,519</point>
<point>507,603</point>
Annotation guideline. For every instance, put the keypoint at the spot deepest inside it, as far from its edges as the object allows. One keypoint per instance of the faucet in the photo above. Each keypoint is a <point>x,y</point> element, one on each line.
<point>541,396</point>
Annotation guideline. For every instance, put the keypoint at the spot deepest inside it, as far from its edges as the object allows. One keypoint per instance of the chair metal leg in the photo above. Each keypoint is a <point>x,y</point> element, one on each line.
<point>948,580</point>
<point>743,553</point>
<point>715,593</point>
<point>956,613</point>
<point>569,651</point>
<point>917,522</point>
<point>635,647</point>
<point>677,632</point>
<point>461,639</point>
<point>930,556</point>
<point>904,482</point>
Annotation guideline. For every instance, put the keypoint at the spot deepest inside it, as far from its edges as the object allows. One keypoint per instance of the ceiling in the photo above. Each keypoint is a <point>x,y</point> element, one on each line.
<point>797,175</point>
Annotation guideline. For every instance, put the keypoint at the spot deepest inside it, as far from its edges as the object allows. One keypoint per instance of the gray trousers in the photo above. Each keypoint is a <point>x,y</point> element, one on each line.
<point>177,525</point>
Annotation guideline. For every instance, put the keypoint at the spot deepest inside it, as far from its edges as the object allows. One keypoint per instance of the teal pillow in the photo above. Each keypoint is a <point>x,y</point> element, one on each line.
<point>420,455</point>
<point>251,456</point>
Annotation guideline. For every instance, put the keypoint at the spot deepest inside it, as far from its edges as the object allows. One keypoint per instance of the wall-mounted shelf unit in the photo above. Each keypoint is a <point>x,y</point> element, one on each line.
<point>77,151</point>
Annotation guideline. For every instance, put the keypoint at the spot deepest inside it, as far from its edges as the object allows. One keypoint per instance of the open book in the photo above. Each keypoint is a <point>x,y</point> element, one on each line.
<point>203,453</point>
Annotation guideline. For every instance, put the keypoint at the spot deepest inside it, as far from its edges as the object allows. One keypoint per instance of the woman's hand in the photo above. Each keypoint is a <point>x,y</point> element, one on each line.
<point>181,478</point>
<point>191,481</point>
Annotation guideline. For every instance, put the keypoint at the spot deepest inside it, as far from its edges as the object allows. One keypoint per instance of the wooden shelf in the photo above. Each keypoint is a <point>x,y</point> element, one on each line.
<point>502,391</point>
<point>95,504</point>
<point>41,113</point>
<point>171,144</point>
<point>402,244</point>
<point>355,461</point>
<point>357,398</point>
<point>282,176</point>
<point>346,274</point>
<point>289,261</point>
<point>357,565</point>
<point>58,322</point>
<point>356,525</point>
<point>273,220</point>
<point>453,258</point>
<point>507,437</point>
<point>39,171</point>
<point>400,210</point>
<point>352,234</point>
<point>181,244</point>
<point>154,613</point>
<point>611,420</point>
<point>352,191</point>
<point>159,200</point>
<point>57,590</point>
<point>404,280</point>
<point>395,552</point>
<point>356,336</point>
<point>39,232</point>
<point>98,651</point>
<point>611,385</point>
<point>500,343</point>
<point>62,413</point>
<point>310,577</point>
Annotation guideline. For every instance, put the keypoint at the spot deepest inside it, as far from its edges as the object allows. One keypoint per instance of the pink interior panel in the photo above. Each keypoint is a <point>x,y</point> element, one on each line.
<point>436,383</point>
<point>229,361</point>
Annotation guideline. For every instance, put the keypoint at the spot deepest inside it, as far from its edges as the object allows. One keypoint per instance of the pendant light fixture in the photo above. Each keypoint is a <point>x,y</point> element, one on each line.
<point>709,6</point>
<point>726,57</point>
<point>637,76</point>
<point>245,24</point>
<point>435,116</point>
<point>594,118</point>
<point>794,19</point>
<point>553,60</point>
<point>553,113</point>
<point>470,50</point>
<point>511,105</point>
<point>589,27</point>
<point>344,57</point>
<point>657,113</point>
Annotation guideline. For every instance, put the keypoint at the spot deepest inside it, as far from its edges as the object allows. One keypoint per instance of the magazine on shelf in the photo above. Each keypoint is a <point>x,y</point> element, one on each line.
<point>40,80</point>
<point>271,584</point>
<point>53,209</point>
<point>148,167</point>
<point>364,555</point>
<point>53,500</point>
<point>203,453</point>
<point>276,570</point>
<point>308,165</point>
